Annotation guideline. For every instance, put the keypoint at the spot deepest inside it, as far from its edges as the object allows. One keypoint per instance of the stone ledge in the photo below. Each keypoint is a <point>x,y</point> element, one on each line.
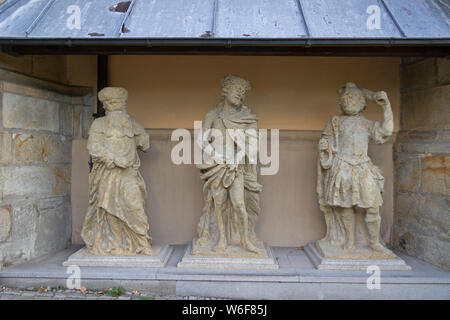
<point>212,262</point>
<point>29,81</point>
<point>82,259</point>
<point>322,263</point>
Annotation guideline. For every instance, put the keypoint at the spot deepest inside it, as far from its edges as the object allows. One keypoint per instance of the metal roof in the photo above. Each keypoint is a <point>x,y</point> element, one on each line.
<point>211,22</point>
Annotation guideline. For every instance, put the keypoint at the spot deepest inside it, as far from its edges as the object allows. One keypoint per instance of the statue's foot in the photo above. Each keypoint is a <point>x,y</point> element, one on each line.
<point>378,247</point>
<point>250,247</point>
<point>220,246</point>
<point>147,252</point>
<point>349,246</point>
<point>117,252</point>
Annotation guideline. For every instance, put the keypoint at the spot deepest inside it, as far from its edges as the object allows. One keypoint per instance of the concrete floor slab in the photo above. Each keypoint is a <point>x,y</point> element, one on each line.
<point>295,279</point>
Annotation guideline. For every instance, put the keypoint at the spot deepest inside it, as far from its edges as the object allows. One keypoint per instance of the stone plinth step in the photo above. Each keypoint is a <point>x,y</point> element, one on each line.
<point>217,262</point>
<point>323,263</point>
<point>161,254</point>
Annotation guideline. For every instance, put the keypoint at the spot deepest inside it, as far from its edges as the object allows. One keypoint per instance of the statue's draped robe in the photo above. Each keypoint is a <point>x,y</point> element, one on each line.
<point>346,177</point>
<point>116,222</point>
<point>216,173</point>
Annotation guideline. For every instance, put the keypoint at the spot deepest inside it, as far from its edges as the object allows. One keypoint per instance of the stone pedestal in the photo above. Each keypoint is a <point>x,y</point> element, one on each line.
<point>228,261</point>
<point>352,262</point>
<point>161,254</point>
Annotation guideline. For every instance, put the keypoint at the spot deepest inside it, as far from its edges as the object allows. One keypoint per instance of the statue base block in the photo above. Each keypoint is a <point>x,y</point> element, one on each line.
<point>323,263</point>
<point>158,259</point>
<point>221,261</point>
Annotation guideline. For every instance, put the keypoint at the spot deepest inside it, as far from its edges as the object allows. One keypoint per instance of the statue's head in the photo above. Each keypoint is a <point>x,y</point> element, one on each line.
<point>352,100</point>
<point>234,89</point>
<point>113,98</point>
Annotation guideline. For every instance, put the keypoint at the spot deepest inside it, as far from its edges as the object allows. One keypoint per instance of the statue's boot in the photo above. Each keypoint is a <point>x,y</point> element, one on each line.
<point>349,222</point>
<point>373,228</point>
<point>247,245</point>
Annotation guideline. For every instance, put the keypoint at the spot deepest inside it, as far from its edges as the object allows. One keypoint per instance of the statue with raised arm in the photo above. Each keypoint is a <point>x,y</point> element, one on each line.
<point>116,222</point>
<point>231,191</point>
<point>349,185</point>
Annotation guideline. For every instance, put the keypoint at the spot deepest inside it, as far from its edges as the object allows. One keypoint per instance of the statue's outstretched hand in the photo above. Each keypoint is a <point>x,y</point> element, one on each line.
<point>382,99</point>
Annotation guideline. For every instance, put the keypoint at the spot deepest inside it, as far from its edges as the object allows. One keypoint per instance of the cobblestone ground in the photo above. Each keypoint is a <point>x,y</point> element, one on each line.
<point>58,293</point>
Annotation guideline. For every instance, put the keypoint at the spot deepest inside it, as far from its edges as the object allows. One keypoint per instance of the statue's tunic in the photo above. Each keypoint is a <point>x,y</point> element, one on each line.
<point>220,176</point>
<point>116,222</point>
<point>352,179</point>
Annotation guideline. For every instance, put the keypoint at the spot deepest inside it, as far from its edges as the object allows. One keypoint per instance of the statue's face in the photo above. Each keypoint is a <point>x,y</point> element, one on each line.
<point>352,102</point>
<point>115,104</point>
<point>234,95</point>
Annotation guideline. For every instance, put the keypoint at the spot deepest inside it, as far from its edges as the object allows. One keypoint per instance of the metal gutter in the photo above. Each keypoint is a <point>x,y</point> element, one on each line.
<point>215,42</point>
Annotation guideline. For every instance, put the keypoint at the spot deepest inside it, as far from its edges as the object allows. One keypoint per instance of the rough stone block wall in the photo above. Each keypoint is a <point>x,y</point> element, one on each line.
<point>38,121</point>
<point>422,162</point>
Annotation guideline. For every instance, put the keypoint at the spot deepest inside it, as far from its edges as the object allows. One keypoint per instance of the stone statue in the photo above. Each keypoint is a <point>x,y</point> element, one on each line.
<point>231,190</point>
<point>349,185</point>
<point>116,222</point>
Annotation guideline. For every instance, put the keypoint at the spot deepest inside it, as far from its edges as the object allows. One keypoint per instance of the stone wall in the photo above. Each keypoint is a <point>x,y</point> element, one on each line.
<point>38,120</point>
<point>422,162</point>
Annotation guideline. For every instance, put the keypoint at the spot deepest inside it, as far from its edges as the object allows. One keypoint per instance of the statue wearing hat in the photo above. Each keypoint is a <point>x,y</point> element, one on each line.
<point>116,222</point>
<point>349,185</point>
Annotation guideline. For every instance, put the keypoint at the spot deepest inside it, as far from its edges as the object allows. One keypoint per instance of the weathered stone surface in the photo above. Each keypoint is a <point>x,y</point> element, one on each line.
<point>30,113</point>
<point>158,259</point>
<point>5,223</point>
<point>420,74</point>
<point>1,108</point>
<point>87,119</point>
<point>443,65</point>
<point>62,177</point>
<point>426,215</point>
<point>77,120</point>
<point>33,149</point>
<point>53,229</point>
<point>26,90</point>
<point>35,92</point>
<point>229,262</point>
<point>25,221</point>
<point>426,109</point>
<point>36,181</point>
<point>66,116</point>
<point>436,175</point>
<point>422,227</point>
<point>407,173</point>
<point>15,251</point>
<point>5,147</point>
<point>324,263</point>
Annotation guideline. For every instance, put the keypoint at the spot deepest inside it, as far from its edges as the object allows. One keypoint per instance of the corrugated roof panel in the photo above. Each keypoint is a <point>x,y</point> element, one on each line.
<point>15,20</point>
<point>96,20</point>
<point>259,19</point>
<point>347,19</point>
<point>170,18</point>
<point>422,18</point>
<point>226,19</point>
